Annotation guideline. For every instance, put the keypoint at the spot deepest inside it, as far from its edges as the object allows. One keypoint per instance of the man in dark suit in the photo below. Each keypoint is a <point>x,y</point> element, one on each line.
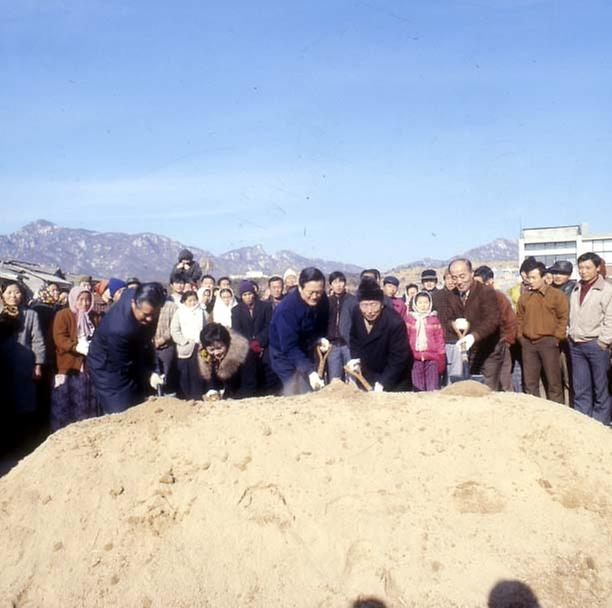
<point>378,340</point>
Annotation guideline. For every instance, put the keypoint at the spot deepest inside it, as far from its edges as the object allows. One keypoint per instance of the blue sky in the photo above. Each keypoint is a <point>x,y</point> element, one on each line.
<point>373,132</point>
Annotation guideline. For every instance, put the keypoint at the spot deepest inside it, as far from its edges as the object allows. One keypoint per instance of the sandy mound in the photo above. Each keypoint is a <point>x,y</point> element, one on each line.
<point>417,500</point>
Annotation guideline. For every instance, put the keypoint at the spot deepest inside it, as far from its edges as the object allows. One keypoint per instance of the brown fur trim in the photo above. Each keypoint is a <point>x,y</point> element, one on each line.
<point>235,357</point>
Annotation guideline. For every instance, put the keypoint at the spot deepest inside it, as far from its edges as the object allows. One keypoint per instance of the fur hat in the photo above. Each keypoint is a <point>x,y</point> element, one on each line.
<point>369,290</point>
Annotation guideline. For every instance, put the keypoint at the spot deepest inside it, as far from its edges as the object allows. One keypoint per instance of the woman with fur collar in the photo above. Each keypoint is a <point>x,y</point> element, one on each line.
<point>221,363</point>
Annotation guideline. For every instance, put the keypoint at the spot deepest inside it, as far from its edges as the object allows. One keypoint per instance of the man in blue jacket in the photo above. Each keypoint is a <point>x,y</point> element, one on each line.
<point>121,357</point>
<point>298,324</point>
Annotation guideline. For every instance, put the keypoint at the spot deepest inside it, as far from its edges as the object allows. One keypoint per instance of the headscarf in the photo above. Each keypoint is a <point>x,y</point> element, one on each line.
<point>421,325</point>
<point>191,321</point>
<point>85,327</point>
<point>221,313</point>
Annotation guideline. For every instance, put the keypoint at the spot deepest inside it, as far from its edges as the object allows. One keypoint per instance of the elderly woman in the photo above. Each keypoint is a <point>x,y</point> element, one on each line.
<point>221,362</point>
<point>222,309</point>
<point>25,350</point>
<point>73,397</point>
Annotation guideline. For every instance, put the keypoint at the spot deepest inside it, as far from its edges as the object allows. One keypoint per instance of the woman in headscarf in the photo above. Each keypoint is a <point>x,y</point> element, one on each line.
<point>222,310</point>
<point>73,397</point>
<point>185,329</point>
<point>221,362</point>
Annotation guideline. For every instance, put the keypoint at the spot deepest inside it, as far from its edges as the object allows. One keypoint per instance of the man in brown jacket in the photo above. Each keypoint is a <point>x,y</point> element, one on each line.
<point>542,313</point>
<point>478,304</point>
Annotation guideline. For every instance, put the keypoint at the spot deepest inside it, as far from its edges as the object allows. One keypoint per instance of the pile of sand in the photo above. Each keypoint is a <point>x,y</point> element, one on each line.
<point>418,500</point>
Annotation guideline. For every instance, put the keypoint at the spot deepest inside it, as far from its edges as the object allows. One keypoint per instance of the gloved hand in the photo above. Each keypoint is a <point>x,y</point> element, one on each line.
<point>156,380</point>
<point>212,395</point>
<point>467,342</point>
<point>324,345</point>
<point>82,346</point>
<point>378,387</point>
<point>353,365</point>
<point>316,382</point>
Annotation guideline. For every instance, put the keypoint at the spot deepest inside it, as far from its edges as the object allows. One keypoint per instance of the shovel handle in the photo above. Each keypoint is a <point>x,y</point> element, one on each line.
<point>322,356</point>
<point>358,376</point>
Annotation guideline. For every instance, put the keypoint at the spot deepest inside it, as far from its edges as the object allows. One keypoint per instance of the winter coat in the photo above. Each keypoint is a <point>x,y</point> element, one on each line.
<point>593,318</point>
<point>178,330</point>
<point>193,274</point>
<point>294,331</point>
<point>435,339</point>
<point>255,327</point>
<point>30,335</point>
<point>65,339</point>
<point>349,303</point>
<point>228,375</point>
<point>384,352</point>
<point>121,357</point>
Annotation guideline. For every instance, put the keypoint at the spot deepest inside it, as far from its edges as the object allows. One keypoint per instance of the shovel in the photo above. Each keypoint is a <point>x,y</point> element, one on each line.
<point>322,357</point>
<point>356,373</point>
<point>462,327</point>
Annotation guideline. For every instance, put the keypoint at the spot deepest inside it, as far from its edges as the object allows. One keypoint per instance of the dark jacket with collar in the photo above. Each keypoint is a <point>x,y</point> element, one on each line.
<point>255,326</point>
<point>121,357</point>
<point>294,331</point>
<point>348,303</point>
<point>385,351</point>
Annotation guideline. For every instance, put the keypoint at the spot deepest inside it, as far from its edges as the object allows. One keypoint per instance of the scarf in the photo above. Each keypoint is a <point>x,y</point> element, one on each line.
<point>421,323</point>
<point>85,328</point>
<point>222,313</point>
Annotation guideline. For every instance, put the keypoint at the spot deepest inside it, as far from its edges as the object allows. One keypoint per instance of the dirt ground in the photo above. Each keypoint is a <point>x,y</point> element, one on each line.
<point>452,499</point>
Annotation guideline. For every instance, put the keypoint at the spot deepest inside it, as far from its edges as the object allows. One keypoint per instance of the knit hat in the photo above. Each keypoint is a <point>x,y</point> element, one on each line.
<point>289,272</point>
<point>391,280</point>
<point>369,290</point>
<point>561,267</point>
<point>114,285</point>
<point>185,254</point>
<point>246,287</point>
<point>101,286</point>
<point>429,275</point>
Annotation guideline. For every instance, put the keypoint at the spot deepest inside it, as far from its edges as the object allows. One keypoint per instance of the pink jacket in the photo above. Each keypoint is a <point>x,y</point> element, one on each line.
<point>435,340</point>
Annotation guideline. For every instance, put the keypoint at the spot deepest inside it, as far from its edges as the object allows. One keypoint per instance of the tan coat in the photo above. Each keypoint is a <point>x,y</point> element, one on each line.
<point>593,318</point>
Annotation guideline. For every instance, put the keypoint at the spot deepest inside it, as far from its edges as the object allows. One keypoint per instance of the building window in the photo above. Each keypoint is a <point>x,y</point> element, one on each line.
<point>551,245</point>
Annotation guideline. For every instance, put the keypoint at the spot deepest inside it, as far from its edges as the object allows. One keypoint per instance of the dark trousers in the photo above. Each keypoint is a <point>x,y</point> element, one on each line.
<point>190,381</point>
<point>425,376</point>
<point>538,355</point>
<point>590,365</point>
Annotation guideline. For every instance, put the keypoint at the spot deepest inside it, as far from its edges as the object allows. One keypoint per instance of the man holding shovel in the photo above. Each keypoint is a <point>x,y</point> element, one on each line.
<point>477,304</point>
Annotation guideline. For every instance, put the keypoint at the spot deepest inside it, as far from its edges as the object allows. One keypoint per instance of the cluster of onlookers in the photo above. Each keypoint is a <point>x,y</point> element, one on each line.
<point>103,347</point>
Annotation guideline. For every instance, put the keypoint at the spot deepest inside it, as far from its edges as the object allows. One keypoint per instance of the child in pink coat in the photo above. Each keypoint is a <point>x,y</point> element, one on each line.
<point>427,343</point>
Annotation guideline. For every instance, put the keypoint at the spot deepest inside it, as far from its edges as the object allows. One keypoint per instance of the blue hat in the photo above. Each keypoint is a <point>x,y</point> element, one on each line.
<point>114,285</point>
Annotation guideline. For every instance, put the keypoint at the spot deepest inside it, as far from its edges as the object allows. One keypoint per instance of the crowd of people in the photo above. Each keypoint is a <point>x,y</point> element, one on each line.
<point>104,346</point>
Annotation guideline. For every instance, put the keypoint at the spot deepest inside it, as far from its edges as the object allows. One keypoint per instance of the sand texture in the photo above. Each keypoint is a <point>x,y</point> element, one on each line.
<point>425,500</point>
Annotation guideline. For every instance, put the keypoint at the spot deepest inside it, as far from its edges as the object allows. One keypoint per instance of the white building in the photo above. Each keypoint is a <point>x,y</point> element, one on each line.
<point>564,243</point>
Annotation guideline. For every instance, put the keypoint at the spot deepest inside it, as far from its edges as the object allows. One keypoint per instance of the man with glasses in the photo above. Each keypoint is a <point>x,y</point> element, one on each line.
<point>378,340</point>
<point>299,324</point>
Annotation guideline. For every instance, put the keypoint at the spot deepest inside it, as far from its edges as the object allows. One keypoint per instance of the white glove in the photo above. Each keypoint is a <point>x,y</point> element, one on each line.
<point>324,345</point>
<point>156,380</point>
<point>354,365</point>
<point>316,382</point>
<point>467,342</point>
<point>82,346</point>
<point>462,324</point>
<point>378,387</point>
<point>212,394</point>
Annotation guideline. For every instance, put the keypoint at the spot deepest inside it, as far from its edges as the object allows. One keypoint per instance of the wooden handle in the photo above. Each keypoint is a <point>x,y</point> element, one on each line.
<point>358,376</point>
<point>322,356</point>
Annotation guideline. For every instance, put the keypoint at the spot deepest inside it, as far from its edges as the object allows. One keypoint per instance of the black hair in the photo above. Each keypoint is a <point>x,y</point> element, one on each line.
<point>411,285</point>
<point>368,271</point>
<point>214,332</point>
<point>151,293</point>
<point>589,255</point>
<point>6,284</point>
<point>274,279</point>
<point>310,274</point>
<point>188,294</point>
<point>463,260</point>
<point>208,276</point>
<point>337,274</point>
<point>540,266</point>
<point>224,279</point>
<point>134,280</point>
<point>178,276</point>
<point>485,273</point>
<point>528,264</point>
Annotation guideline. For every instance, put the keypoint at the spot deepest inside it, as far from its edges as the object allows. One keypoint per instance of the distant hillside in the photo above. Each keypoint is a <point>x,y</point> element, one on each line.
<point>147,256</point>
<point>499,250</point>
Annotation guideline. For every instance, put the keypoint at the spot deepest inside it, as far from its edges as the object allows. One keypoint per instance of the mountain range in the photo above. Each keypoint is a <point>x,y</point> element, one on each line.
<point>151,256</point>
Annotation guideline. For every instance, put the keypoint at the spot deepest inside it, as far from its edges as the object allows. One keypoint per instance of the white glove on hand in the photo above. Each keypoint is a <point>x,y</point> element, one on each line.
<point>212,394</point>
<point>324,345</point>
<point>156,380</point>
<point>378,387</point>
<point>82,346</point>
<point>316,382</point>
<point>467,342</point>
<point>354,365</point>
